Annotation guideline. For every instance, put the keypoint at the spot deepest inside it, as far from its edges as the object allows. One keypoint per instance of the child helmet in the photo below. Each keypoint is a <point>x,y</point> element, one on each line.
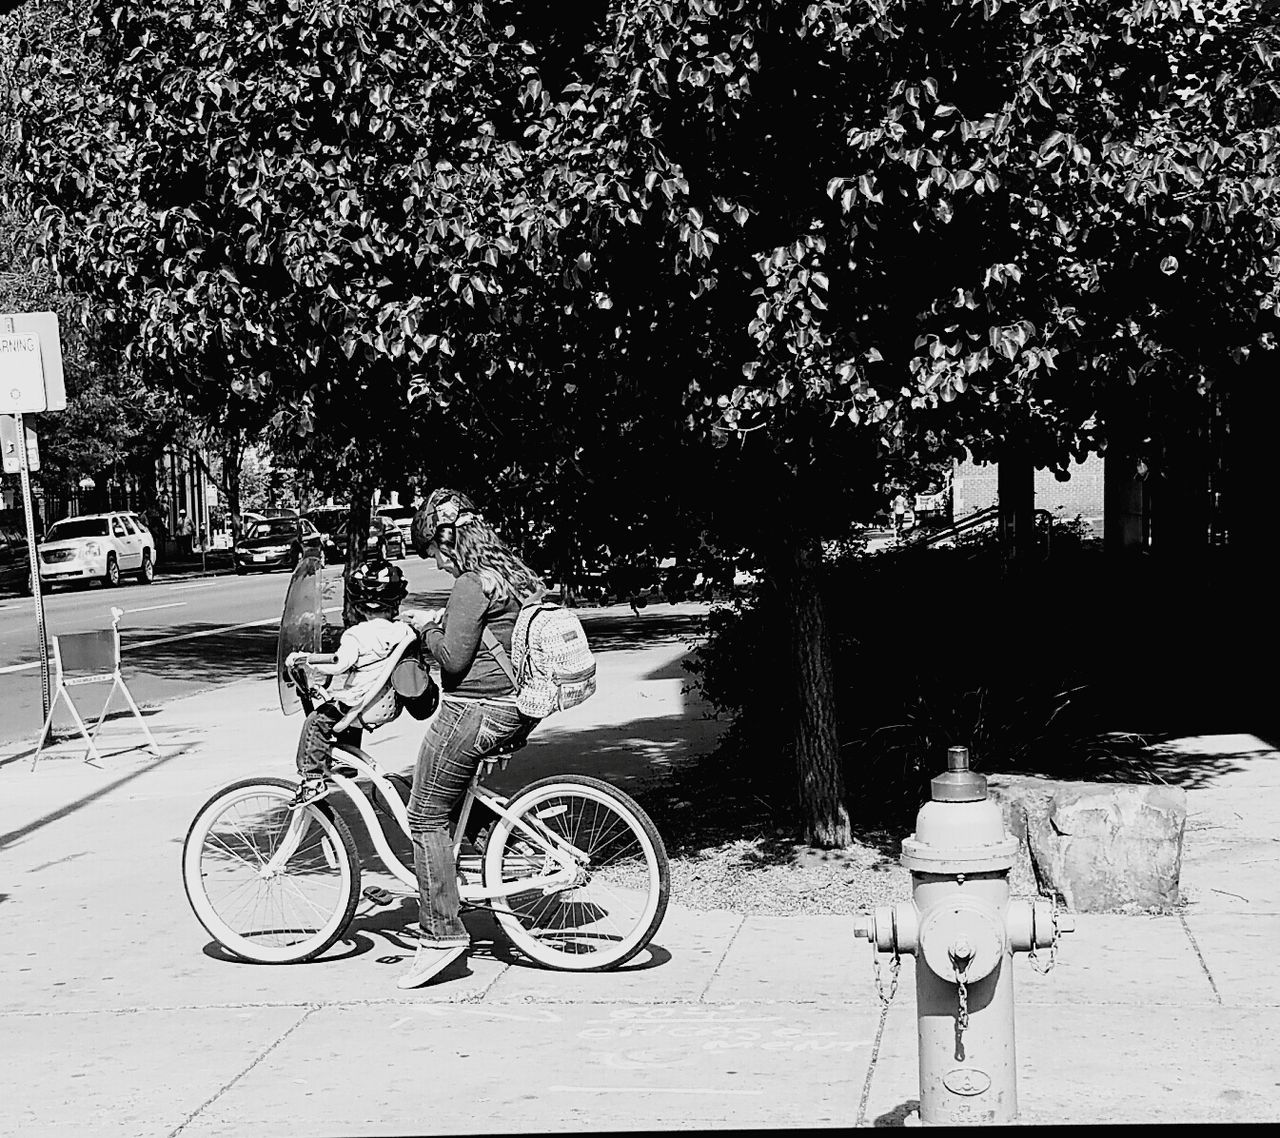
<point>376,588</point>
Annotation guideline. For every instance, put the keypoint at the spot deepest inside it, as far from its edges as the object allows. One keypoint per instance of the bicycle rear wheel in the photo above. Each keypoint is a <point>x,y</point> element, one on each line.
<point>285,914</point>
<point>620,896</point>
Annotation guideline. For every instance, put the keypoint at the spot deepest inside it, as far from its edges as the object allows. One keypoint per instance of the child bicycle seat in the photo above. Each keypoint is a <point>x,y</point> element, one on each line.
<point>382,704</point>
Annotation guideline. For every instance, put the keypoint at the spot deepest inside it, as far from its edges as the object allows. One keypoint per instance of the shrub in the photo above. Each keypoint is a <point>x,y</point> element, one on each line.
<point>933,648</point>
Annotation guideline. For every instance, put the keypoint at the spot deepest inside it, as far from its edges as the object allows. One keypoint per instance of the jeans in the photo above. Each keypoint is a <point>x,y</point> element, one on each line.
<point>460,735</point>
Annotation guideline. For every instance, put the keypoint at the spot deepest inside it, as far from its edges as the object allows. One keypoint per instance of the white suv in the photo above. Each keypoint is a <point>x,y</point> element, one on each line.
<point>98,547</point>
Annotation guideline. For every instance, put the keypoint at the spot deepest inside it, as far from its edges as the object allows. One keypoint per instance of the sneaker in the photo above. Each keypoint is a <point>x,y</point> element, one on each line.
<point>337,766</point>
<point>429,962</point>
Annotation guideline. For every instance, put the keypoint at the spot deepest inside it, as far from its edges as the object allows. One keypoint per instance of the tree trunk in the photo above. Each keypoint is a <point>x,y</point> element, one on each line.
<point>816,739</point>
<point>359,515</point>
<point>232,456</point>
<point>568,570</point>
<point>1016,482</point>
<point>1124,509</point>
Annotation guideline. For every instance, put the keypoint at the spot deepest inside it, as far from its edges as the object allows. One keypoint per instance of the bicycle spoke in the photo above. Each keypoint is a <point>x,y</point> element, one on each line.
<point>299,907</point>
<point>611,902</point>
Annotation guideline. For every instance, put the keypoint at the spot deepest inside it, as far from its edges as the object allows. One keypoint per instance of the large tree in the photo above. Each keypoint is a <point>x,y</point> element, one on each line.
<point>112,424</point>
<point>563,257</point>
<point>1021,230</point>
<point>288,208</point>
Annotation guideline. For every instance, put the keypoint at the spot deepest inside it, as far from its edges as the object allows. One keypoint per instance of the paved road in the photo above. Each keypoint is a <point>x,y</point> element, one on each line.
<point>178,636</point>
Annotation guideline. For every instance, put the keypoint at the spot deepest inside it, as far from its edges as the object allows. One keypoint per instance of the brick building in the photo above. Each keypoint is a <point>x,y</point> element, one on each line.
<point>974,487</point>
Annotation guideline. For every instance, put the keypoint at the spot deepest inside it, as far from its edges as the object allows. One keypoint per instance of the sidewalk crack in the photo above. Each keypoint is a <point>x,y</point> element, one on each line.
<point>1200,957</point>
<point>235,1079</point>
<point>702,996</point>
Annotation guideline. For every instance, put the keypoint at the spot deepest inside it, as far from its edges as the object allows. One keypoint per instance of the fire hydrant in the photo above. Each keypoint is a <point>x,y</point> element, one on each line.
<point>963,929</point>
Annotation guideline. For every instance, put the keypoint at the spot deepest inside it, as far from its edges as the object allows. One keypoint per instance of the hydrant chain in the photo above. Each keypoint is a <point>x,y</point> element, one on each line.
<point>893,978</point>
<point>1053,943</point>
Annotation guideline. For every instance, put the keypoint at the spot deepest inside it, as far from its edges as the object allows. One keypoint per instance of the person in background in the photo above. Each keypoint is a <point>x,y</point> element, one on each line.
<point>186,534</point>
<point>899,512</point>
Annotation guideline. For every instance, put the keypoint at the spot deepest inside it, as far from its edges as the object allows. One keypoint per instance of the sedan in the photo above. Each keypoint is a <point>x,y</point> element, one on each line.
<point>327,519</point>
<point>384,540</point>
<point>277,543</point>
<point>403,518</point>
<point>15,565</point>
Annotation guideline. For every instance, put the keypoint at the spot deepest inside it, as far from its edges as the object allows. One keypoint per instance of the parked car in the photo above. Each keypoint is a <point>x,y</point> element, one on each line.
<point>403,518</point>
<point>277,543</point>
<point>327,519</point>
<point>384,540</point>
<point>100,547</point>
<point>15,565</point>
<point>139,523</point>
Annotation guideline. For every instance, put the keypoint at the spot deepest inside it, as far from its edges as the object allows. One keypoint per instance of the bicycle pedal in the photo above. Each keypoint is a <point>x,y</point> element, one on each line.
<point>378,895</point>
<point>306,795</point>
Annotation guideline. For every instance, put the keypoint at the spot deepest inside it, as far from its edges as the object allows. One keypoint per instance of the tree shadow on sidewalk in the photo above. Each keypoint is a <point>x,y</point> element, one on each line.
<point>611,631</point>
<point>197,653</point>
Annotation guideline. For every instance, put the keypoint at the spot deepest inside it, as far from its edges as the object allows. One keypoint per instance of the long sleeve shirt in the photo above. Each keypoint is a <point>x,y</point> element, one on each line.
<point>468,667</point>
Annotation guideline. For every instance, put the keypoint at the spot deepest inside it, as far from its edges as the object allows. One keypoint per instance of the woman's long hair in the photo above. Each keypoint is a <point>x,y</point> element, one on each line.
<point>478,549</point>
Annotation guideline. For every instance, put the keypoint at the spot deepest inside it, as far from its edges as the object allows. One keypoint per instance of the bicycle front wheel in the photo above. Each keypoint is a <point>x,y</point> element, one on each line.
<point>270,884</point>
<point>619,895</point>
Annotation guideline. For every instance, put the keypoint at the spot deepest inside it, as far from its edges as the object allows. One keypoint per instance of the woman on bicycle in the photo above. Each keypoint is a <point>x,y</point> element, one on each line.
<point>477,712</point>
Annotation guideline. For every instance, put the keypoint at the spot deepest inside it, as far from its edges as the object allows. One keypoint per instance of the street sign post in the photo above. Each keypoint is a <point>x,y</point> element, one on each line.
<point>9,446</point>
<point>31,380</point>
<point>33,560</point>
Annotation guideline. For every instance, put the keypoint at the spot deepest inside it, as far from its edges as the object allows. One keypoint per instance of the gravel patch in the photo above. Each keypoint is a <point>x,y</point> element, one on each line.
<point>761,876</point>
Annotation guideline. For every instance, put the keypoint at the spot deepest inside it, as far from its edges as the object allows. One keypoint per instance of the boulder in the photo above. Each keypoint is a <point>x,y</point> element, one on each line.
<point>1024,802</point>
<point>1098,847</point>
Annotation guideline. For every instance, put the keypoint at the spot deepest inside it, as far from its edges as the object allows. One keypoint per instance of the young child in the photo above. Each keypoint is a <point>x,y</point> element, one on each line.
<point>375,589</point>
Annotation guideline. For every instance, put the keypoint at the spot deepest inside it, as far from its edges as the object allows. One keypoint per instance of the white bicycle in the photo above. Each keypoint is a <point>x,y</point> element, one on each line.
<point>573,869</point>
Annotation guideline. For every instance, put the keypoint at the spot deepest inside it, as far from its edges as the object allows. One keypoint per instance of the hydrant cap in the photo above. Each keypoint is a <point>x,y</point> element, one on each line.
<point>958,783</point>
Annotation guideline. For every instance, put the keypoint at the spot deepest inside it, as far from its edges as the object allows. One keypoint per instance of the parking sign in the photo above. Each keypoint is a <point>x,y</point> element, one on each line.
<point>31,376</point>
<point>21,374</point>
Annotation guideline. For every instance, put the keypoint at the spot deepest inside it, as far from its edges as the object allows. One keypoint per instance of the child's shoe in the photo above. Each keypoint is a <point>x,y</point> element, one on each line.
<point>310,790</point>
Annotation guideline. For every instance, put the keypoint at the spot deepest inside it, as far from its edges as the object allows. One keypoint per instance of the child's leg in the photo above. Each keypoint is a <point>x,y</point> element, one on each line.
<point>316,739</point>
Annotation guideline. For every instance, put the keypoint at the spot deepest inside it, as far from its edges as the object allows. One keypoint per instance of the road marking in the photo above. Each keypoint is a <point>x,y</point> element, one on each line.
<point>152,608</point>
<point>656,1090</point>
<point>18,668</point>
<point>197,635</point>
<point>197,585</point>
<point>172,639</point>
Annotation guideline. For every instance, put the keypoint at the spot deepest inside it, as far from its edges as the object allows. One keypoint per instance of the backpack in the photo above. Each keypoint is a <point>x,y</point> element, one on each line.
<point>551,665</point>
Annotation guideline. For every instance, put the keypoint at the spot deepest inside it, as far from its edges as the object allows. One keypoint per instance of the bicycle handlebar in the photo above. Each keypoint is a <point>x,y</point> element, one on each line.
<point>296,658</point>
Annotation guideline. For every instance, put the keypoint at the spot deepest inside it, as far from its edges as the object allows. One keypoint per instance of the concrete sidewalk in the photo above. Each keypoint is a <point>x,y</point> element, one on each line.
<point>118,1015</point>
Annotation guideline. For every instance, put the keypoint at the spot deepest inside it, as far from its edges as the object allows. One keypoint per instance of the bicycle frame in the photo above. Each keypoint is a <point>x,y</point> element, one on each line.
<point>567,857</point>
